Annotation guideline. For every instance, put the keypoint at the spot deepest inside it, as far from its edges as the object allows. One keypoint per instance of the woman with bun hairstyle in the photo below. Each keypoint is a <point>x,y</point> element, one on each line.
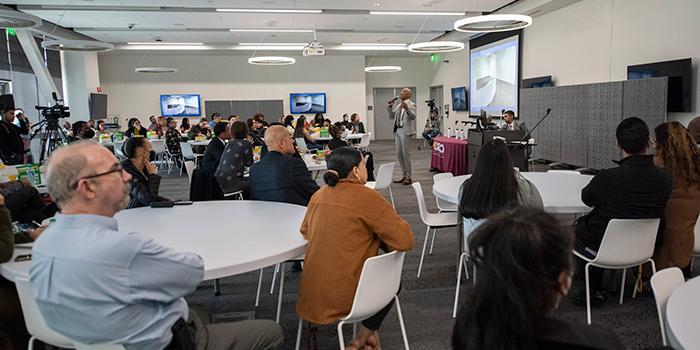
<point>345,224</point>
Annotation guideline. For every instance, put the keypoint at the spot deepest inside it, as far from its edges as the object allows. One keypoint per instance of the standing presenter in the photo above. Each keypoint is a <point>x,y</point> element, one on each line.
<point>404,115</point>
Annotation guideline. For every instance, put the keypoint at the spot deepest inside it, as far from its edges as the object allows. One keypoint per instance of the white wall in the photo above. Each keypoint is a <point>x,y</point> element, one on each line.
<point>451,75</point>
<point>228,77</point>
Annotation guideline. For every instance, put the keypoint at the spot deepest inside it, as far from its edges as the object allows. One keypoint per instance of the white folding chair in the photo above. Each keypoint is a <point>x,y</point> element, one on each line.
<point>696,249</point>
<point>626,243</point>
<point>663,283</point>
<point>35,322</point>
<point>379,282</point>
<point>301,143</point>
<point>383,180</point>
<point>189,166</point>
<point>442,205</point>
<point>431,220</point>
<point>468,226</point>
<point>161,151</point>
<point>364,141</point>
<point>188,154</point>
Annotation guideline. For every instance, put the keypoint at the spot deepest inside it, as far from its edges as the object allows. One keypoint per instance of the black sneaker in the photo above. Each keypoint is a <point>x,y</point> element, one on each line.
<point>296,266</point>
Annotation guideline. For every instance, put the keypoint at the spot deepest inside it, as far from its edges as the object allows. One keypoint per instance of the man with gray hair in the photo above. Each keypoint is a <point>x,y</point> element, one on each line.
<point>95,284</point>
<point>404,116</point>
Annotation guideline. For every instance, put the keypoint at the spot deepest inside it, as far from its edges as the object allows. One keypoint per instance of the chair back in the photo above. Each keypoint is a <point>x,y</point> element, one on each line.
<point>663,283</point>
<point>301,143</point>
<point>189,167</point>
<point>364,141</point>
<point>441,176</point>
<point>187,152</point>
<point>378,285</point>
<point>564,171</point>
<point>469,225</point>
<point>422,209</point>
<point>628,242</point>
<point>158,146</point>
<point>696,251</point>
<point>118,149</point>
<point>384,176</point>
<point>32,317</point>
<point>442,204</point>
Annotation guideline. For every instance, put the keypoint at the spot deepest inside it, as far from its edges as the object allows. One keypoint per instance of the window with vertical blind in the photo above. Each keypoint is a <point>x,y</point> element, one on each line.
<point>19,60</point>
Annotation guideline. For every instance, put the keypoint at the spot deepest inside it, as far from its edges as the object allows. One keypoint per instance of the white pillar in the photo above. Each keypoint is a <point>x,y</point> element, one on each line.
<point>80,76</point>
<point>36,60</point>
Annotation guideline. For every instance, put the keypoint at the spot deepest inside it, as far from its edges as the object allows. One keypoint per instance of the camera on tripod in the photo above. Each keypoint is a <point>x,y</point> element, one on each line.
<point>53,113</point>
<point>431,105</point>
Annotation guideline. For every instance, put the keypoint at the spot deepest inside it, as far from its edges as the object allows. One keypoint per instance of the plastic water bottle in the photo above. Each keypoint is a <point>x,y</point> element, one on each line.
<point>449,132</point>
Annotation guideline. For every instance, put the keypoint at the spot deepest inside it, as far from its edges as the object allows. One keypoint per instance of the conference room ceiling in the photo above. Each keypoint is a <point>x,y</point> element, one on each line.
<point>198,20</point>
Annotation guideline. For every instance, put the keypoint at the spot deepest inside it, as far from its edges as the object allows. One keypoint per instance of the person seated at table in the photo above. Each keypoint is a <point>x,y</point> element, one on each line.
<point>318,120</point>
<point>145,181</point>
<point>215,118</point>
<point>173,139</point>
<point>432,127</point>
<point>279,177</point>
<point>82,131</point>
<point>154,123</point>
<point>102,128</point>
<point>25,203</point>
<point>677,152</point>
<point>509,122</point>
<point>185,126</point>
<point>694,129</point>
<point>327,122</point>
<point>525,263</point>
<point>356,125</point>
<point>200,129</point>
<point>233,118</point>
<point>237,155</point>
<point>332,270</point>
<point>135,129</point>
<point>132,285</point>
<point>300,132</point>
<point>289,123</point>
<point>215,148</point>
<point>336,138</point>
<point>258,125</point>
<point>346,121</point>
<point>636,189</point>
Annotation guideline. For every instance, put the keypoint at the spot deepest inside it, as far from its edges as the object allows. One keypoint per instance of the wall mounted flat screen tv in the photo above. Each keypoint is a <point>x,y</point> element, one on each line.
<point>98,106</point>
<point>307,103</point>
<point>459,99</point>
<point>537,82</point>
<point>183,105</point>
<point>680,75</point>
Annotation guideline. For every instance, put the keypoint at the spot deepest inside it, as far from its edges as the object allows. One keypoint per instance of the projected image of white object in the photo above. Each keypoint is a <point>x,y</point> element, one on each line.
<point>180,105</point>
<point>174,105</point>
<point>494,75</point>
<point>308,103</point>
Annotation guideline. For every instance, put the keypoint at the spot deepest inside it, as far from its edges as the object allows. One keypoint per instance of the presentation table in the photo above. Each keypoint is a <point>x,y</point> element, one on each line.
<point>683,316</point>
<point>561,192</point>
<point>233,237</point>
<point>449,155</point>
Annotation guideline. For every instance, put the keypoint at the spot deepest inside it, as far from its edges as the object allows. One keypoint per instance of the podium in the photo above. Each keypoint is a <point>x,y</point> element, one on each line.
<point>513,137</point>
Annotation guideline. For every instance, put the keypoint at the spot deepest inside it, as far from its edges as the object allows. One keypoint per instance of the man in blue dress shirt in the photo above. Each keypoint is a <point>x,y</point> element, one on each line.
<point>96,284</point>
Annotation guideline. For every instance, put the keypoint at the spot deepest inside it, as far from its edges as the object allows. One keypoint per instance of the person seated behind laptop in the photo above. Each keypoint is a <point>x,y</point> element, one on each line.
<point>509,122</point>
<point>279,177</point>
<point>95,284</point>
<point>636,189</point>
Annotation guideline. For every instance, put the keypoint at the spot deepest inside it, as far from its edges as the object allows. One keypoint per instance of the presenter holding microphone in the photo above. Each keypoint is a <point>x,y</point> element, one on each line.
<point>403,113</point>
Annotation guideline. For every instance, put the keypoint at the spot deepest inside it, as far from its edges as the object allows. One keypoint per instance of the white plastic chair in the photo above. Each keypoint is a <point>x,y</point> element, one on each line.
<point>79,346</point>
<point>696,249</point>
<point>468,226</point>
<point>663,283</point>
<point>35,322</point>
<point>188,154</point>
<point>442,205</point>
<point>189,166</point>
<point>378,285</point>
<point>383,180</point>
<point>301,143</point>
<point>626,243</point>
<point>431,221</point>
<point>364,141</point>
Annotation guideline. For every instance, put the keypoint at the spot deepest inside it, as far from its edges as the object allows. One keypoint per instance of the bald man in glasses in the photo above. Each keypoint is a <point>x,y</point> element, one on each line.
<point>95,284</point>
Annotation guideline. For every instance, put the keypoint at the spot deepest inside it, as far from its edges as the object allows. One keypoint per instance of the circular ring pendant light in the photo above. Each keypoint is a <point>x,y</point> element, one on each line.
<point>382,69</point>
<point>492,23</point>
<point>77,45</point>
<point>14,19</point>
<point>155,70</point>
<point>271,60</point>
<point>436,46</point>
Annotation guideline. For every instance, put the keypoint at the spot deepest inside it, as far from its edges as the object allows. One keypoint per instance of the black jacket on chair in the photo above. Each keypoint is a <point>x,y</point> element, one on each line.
<point>636,189</point>
<point>280,178</point>
<point>212,156</point>
<point>143,188</point>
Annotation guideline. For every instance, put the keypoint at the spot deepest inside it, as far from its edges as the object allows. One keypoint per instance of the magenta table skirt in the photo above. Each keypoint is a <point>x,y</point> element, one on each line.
<point>449,155</point>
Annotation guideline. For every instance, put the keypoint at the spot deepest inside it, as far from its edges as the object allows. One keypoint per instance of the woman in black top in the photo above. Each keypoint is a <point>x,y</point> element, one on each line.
<point>237,155</point>
<point>525,263</point>
<point>185,126</point>
<point>145,180</point>
<point>135,129</point>
<point>318,120</point>
<point>336,140</point>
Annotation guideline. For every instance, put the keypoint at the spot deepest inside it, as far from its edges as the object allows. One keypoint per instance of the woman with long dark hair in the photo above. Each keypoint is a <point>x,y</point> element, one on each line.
<point>301,132</point>
<point>319,119</point>
<point>335,257</point>
<point>185,126</point>
<point>677,152</point>
<point>525,266</point>
<point>135,128</point>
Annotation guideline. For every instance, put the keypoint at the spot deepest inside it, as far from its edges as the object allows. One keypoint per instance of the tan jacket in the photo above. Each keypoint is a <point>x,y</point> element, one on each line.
<point>682,211</point>
<point>345,225</point>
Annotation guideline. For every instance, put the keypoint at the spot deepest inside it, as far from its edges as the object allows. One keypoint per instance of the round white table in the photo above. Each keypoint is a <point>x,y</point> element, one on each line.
<point>233,237</point>
<point>313,164</point>
<point>683,316</point>
<point>199,143</point>
<point>561,192</point>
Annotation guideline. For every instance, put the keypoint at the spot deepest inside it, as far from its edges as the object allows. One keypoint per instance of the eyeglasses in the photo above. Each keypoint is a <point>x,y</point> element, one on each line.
<point>115,168</point>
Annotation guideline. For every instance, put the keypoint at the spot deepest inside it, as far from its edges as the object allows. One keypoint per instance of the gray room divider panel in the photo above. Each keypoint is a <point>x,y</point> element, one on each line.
<point>531,109</point>
<point>272,109</point>
<point>642,100</point>
<point>223,107</point>
<point>572,113</point>
<point>605,108</point>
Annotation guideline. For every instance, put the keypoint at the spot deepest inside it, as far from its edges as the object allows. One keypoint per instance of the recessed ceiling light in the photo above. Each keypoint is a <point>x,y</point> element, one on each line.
<point>271,60</point>
<point>382,69</point>
<point>408,13</point>
<point>492,23</point>
<point>377,4</point>
<point>436,46</point>
<point>272,30</point>
<point>268,11</point>
<point>155,70</point>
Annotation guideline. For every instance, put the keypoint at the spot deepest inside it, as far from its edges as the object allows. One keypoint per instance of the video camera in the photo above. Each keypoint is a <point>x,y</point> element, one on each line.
<point>55,112</point>
<point>431,105</point>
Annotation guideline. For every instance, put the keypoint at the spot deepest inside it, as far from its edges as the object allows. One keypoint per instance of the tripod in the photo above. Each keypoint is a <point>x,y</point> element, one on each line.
<point>52,137</point>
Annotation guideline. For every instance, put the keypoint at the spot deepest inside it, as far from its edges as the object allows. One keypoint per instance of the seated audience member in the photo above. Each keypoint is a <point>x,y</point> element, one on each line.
<point>173,138</point>
<point>145,181</point>
<point>493,186</point>
<point>154,123</point>
<point>677,152</point>
<point>201,128</point>
<point>67,128</point>
<point>135,129</point>
<point>237,155</point>
<point>215,118</point>
<point>327,122</point>
<point>185,126</point>
<point>336,140</point>
<point>212,156</point>
<point>636,189</point>
<point>258,125</point>
<point>346,120</point>
<point>356,125</point>
<point>332,270</point>
<point>279,177</point>
<point>289,123</point>
<point>318,120</point>
<point>300,132</point>
<point>524,264</point>
<point>233,118</point>
<point>82,131</point>
<point>102,128</point>
<point>694,129</point>
<point>11,144</point>
<point>24,202</point>
<point>132,286</point>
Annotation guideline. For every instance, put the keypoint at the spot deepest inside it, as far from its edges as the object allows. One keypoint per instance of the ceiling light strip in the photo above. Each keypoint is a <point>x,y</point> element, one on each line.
<point>372,44</point>
<point>408,13</point>
<point>271,30</point>
<point>271,60</point>
<point>273,44</point>
<point>382,69</point>
<point>163,43</point>
<point>267,11</point>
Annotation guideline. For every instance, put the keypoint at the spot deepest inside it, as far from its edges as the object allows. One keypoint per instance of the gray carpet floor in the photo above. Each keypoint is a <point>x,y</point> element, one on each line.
<point>426,301</point>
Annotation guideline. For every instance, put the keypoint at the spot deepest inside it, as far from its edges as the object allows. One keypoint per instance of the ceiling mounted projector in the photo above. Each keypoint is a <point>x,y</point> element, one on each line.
<point>314,49</point>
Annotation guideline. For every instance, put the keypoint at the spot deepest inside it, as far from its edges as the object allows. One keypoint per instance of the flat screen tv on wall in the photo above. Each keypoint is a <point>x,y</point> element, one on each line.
<point>307,103</point>
<point>180,105</point>
<point>459,99</point>
<point>680,77</point>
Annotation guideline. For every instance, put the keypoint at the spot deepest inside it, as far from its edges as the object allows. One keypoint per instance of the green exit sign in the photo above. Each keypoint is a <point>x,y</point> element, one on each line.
<point>435,58</point>
<point>11,31</point>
